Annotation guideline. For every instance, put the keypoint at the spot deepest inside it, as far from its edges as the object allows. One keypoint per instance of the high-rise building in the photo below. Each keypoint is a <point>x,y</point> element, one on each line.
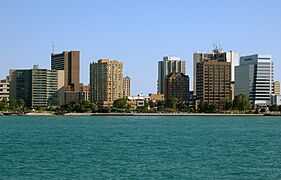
<point>177,85</point>
<point>4,89</point>
<point>213,81</point>
<point>170,64</point>
<point>254,78</point>
<point>69,61</point>
<point>37,87</point>
<point>126,86</point>
<point>218,55</point>
<point>276,88</point>
<point>21,85</point>
<point>106,81</point>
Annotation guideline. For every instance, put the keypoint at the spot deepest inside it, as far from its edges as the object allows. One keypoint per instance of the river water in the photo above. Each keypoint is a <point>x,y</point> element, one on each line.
<point>140,147</point>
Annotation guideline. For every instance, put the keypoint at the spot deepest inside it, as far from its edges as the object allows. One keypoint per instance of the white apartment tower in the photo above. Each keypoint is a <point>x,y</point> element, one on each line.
<point>170,64</point>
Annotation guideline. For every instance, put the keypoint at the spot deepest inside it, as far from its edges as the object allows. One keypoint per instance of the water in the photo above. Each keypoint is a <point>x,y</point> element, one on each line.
<point>140,147</point>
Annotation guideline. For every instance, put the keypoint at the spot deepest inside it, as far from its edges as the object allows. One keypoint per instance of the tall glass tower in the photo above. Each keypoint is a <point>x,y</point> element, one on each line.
<point>254,78</point>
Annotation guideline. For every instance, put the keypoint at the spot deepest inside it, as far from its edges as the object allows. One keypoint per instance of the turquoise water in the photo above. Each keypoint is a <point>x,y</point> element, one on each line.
<point>140,147</point>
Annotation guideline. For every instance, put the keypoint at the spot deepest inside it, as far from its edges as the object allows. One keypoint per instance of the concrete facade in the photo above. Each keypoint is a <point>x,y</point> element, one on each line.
<point>177,86</point>
<point>4,89</point>
<point>170,64</point>
<point>126,86</point>
<point>69,62</point>
<point>218,55</point>
<point>106,82</point>
<point>276,88</point>
<point>213,81</point>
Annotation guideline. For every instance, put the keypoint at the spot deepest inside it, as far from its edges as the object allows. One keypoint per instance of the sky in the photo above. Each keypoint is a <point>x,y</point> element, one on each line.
<point>136,32</point>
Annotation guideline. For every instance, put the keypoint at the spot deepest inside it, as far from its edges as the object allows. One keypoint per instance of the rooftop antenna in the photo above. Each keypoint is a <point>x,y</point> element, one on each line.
<point>215,47</point>
<point>53,48</point>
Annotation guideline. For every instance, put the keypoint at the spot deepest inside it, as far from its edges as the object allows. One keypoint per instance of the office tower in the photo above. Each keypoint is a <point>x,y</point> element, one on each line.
<point>21,85</point>
<point>4,89</point>
<point>254,78</point>
<point>177,85</point>
<point>69,61</point>
<point>106,82</point>
<point>37,87</point>
<point>170,64</point>
<point>126,86</point>
<point>213,81</point>
<point>276,88</point>
<point>218,55</point>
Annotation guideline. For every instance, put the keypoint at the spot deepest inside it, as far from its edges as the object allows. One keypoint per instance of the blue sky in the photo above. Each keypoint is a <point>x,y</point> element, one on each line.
<point>136,32</point>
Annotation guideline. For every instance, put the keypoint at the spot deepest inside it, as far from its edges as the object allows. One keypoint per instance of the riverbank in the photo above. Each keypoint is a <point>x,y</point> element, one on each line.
<point>172,114</point>
<point>137,114</point>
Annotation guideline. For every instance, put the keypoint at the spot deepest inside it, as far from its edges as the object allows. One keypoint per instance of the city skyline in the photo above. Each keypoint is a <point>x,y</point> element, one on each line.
<point>104,30</point>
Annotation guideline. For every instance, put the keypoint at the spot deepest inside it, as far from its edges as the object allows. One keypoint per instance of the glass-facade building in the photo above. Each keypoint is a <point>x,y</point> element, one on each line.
<point>37,87</point>
<point>254,78</point>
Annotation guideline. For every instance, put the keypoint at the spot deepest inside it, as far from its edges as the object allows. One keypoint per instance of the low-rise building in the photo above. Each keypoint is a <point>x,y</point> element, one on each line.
<point>138,101</point>
<point>4,89</point>
<point>156,97</point>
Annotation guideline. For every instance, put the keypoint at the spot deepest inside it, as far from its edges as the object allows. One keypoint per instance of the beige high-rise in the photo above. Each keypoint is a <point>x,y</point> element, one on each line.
<point>126,86</point>
<point>106,81</point>
<point>276,88</point>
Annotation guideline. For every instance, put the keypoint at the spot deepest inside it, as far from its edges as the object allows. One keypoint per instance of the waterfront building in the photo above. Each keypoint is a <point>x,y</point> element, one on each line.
<point>138,101</point>
<point>85,92</point>
<point>276,100</point>
<point>177,85</point>
<point>37,87</point>
<point>156,97</point>
<point>217,55</point>
<point>106,82</point>
<point>21,85</point>
<point>126,86</point>
<point>213,81</point>
<point>276,88</point>
<point>4,89</point>
<point>254,78</point>
<point>69,61</point>
<point>170,64</point>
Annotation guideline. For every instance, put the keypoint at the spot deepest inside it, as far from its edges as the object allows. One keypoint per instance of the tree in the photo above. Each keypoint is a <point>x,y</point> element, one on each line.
<point>4,105</point>
<point>273,108</point>
<point>279,108</point>
<point>263,110</point>
<point>13,105</point>
<point>151,104</point>
<point>225,105</point>
<point>241,103</point>
<point>213,107</point>
<point>171,103</point>
<point>21,103</point>
<point>160,105</point>
<point>120,103</point>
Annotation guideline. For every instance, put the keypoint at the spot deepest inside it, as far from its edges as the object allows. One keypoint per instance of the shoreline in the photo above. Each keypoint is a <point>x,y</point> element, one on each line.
<point>140,114</point>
